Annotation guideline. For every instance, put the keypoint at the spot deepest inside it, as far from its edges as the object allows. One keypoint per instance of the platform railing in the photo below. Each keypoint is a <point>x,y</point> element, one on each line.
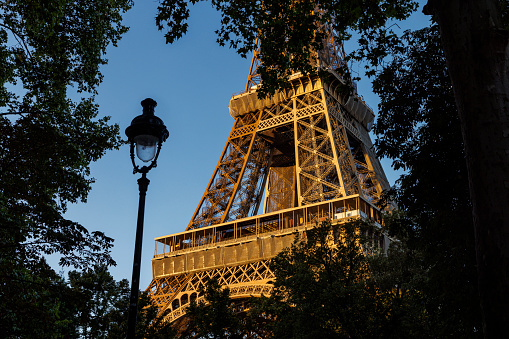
<point>269,224</point>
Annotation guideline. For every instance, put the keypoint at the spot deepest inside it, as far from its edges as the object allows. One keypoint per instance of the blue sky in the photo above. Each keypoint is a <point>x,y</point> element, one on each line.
<point>192,82</point>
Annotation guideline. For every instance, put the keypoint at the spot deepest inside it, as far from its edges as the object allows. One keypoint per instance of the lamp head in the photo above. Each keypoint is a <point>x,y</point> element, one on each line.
<point>147,132</point>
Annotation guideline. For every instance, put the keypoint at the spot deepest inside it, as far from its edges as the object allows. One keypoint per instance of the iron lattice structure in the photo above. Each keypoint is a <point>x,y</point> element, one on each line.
<point>301,156</point>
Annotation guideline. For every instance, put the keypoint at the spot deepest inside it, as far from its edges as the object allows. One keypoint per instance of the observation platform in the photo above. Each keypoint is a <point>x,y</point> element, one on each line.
<point>251,239</point>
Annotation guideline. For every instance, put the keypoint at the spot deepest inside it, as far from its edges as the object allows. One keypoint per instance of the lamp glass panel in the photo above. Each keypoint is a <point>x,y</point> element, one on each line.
<point>146,147</point>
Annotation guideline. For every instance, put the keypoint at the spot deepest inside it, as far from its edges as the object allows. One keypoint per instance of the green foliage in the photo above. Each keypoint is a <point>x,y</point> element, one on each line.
<point>50,55</point>
<point>149,323</point>
<point>97,296</point>
<point>333,282</point>
<point>213,317</point>
<point>287,30</point>
<point>34,303</point>
<point>57,44</point>
<point>325,288</point>
<point>46,49</point>
<point>418,128</point>
<point>38,303</point>
<point>101,307</point>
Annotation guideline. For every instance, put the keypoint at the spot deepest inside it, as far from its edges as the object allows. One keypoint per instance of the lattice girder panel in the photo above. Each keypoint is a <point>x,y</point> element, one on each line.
<point>368,180</point>
<point>374,168</point>
<point>218,197</point>
<point>309,99</point>
<point>349,176</point>
<point>163,290</point>
<point>281,108</point>
<point>333,54</point>
<point>244,281</point>
<point>246,119</point>
<point>254,78</point>
<point>317,172</point>
<point>249,194</point>
<point>356,156</point>
<point>257,272</point>
<point>337,111</point>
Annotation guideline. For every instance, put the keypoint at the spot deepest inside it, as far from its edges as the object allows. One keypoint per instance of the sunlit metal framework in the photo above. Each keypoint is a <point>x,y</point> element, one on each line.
<point>301,146</point>
<point>237,253</point>
<point>299,157</point>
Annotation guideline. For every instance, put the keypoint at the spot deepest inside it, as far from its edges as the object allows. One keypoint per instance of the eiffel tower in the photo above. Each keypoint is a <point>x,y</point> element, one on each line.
<point>301,156</point>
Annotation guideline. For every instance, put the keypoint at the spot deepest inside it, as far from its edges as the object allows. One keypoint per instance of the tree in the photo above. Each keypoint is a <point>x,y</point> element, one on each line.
<point>150,323</point>
<point>214,316</point>
<point>50,52</point>
<point>325,288</point>
<point>474,36</point>
<point>401,276</point>
<point>96,296</point>
<point>34,303</point>
<point>334,283</point>
<point>100,306</point>
<point>47,140</point>
<point>418,128</point>
<point>286,30</point>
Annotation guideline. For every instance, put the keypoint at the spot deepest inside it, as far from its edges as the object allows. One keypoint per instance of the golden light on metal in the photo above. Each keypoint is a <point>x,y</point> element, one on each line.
<point>301,156</point>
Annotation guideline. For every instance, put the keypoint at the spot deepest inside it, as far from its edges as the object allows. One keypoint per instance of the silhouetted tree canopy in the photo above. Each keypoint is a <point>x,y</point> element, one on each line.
<point>287,30</point>
<point>50,132</point>
<point>418,128</point>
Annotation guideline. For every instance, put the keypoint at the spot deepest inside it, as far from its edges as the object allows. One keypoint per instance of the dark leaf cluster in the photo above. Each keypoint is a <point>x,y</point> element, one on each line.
<point>48,140</point>
<point>327,287</point>
<point>101,307</point>
<point>90,304</point>
<point>213,316</point>
<point>419,129</point>
<point>50,132</point>
<point>286,31</point>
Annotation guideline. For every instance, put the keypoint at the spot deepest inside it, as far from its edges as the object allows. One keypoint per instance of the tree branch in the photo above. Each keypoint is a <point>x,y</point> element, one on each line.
<point>20,113</point>
<point>19,38</point>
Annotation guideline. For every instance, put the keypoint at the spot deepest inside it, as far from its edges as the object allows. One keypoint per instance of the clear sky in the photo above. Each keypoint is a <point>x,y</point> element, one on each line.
<point>192,82</point>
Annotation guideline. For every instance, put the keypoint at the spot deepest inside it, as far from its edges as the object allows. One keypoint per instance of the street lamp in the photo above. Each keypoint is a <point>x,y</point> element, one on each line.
<point>146,133</point>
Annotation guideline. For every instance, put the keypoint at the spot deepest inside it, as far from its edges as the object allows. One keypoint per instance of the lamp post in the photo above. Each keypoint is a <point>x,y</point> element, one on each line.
<point>146,133</point>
